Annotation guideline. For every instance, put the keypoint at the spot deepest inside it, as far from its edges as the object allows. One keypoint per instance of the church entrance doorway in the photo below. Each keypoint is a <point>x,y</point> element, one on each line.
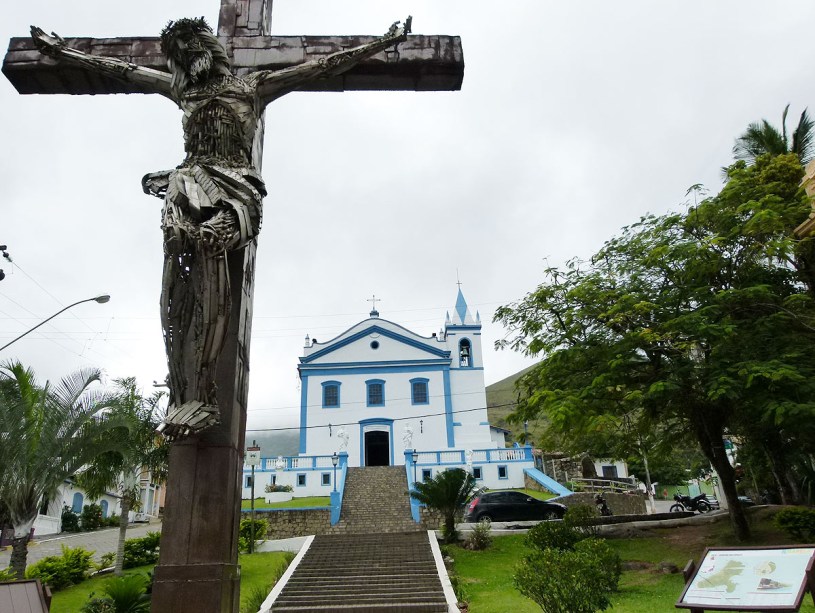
<point>377,448</point>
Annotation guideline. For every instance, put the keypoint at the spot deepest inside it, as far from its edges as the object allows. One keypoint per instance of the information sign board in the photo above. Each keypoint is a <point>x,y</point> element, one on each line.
<point>750,579</point>
<point>252,457</point>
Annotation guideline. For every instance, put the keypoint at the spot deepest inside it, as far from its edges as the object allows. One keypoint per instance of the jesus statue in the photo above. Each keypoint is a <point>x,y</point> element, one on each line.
<point>213,199</point>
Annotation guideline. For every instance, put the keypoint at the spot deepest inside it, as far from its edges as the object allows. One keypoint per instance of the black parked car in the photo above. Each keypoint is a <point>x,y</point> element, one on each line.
<point>511,506</point>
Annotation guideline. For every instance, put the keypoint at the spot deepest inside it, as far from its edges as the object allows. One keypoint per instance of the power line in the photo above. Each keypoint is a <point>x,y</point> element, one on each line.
<point>354,423</point>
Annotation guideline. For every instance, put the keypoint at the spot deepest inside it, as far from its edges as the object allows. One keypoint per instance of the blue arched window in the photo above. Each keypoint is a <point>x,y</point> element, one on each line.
<point>331,394</point>
<point>104,505</point>
<point>465,353</point>
<point>77,503</point>
<point>376,392</point>
<point>418,391</point>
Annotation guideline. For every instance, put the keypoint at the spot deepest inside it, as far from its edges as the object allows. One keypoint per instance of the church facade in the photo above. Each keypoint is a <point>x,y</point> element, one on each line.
<point>379,388</point>
<point>379,394</point>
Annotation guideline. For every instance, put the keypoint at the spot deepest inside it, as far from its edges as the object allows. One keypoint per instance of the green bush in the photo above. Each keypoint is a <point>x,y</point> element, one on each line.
<point>480,538</point>
<point>111,521</point>
<point>553,535</point>
<point>608,562</point>
<point>70,520</point>
<point>127,594</point>
<point>106,560</point>
<point>142,551</point>
<point>563,581</point>
<point>62,571</point>
<point>91,518</point>
<point>6,574</point>
<point>278,488</point>
<point>581,517</point>
<point>246,534</point>
<point>797,522</point>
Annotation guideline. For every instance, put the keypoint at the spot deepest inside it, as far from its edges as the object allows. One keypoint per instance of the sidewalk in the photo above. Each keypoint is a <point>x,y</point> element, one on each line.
<point>100,542</point>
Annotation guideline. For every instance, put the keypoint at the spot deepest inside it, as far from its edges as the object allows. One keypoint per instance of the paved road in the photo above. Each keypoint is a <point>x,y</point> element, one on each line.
<point>100,541</point>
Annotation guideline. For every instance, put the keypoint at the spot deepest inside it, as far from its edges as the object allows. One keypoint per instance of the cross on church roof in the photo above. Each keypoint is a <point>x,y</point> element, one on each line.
<point>374,300</point>
<point>421,63</point>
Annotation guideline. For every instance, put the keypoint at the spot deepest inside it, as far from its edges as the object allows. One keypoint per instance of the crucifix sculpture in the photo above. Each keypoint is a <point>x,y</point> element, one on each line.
<point>211,219</point>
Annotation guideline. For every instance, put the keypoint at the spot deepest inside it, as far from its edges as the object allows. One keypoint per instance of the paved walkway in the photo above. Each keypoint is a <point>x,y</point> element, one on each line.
<point>100,541</point>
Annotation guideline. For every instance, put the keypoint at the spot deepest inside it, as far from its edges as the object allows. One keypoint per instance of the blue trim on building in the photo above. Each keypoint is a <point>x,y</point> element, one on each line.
<point>297,480</point>
<point>448,410</point>
<point>456,423</point>
<point>325,482</point>
<point>368,384</point>
<point>375,329</point>
<point>413,383</point>
<point>303,413</point>
<point>483,423</point>
<point>471,353</point>
<point>459,327</point>
<point>478,473</point>
<point>318,370</point>
<point>505,469</point>
<point>336,384</point>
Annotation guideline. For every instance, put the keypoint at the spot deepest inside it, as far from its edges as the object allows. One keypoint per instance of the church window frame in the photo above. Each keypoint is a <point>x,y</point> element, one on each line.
<point>427,474</point>
<point>478,474</point>
<point>503,472</point>
<point>331,394</point>
<point>375,393</point>
<point>301,480</point>
<point>420,391</point>
<point>77,502</point>
<point>465,353</point>
<point>325,479</point>
<point>247,481</point>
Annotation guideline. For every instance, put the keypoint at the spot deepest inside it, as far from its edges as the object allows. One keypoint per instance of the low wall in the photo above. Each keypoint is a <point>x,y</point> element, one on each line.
<point>289,523</point>
<point>431,519</point>
<point>620,504</point>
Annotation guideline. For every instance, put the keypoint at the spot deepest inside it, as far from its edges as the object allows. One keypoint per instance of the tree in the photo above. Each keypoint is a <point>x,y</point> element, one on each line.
<point>137,449</point>
<point>447,493</point>
<point>699,319</point>
<point>762,137</point>
<point>47,433</point>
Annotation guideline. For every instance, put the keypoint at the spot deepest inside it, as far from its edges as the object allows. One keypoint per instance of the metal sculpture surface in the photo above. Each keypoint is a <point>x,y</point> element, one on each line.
<point>213,200</point>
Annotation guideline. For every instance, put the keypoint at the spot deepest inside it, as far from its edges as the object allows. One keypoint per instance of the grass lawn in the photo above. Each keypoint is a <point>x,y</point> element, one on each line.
<point>485,577</point>
<point>294,503</point>
<point>258,571</point>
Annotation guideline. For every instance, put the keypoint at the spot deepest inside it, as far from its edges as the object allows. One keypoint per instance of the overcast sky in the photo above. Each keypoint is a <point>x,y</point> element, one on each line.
<point>575,118</point>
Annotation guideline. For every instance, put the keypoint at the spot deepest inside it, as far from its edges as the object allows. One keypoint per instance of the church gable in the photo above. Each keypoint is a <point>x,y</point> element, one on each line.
<point>376,343</point>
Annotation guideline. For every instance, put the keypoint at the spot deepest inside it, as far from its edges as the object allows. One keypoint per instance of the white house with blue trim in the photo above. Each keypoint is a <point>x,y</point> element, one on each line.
<point>379,395</point>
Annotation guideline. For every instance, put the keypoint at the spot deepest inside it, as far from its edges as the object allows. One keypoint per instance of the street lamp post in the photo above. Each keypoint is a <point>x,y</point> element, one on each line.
<point>415,457</point>
<point>253,459</point>
<point>100,299</point>
<point>334,459</point>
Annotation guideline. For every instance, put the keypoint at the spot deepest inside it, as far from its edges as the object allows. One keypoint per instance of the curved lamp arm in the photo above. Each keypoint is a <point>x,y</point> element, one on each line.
<point>100,299</point>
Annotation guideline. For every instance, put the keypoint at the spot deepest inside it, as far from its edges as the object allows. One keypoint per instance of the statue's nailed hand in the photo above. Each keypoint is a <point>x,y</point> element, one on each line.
<point>47,45</point>
<point>399,33</point>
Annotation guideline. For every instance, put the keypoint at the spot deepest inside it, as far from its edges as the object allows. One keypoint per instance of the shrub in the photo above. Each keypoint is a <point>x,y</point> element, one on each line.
<point>142,551</point>
<point>246,534</point>
<point>106,560</point>
<point>91,518</point>
<point>553,535</point>
<point>797,522</point>
<point>111,521</point>
<point>607,560</point>
<point>70,520</point>
<point>126,594</point>
<point>255,599</point>
<point>480,538</point>
<point>278,488</point>
<point>563,581</point>
<point>64,570</point>
<point>581,517</point>
<point>7,574</point>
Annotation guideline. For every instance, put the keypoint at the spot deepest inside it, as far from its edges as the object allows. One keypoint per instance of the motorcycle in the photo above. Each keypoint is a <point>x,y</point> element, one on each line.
<point>686,503</point>
<point>601,505</point>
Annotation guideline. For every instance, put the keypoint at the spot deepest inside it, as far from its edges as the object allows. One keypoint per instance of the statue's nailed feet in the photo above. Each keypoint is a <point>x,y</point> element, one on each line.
<point>190,418</point>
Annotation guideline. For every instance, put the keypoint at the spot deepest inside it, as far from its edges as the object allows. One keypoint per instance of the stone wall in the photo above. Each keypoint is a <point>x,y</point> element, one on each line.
<point>431,519</point>
<point>620,504</point>
<point>296,522</point>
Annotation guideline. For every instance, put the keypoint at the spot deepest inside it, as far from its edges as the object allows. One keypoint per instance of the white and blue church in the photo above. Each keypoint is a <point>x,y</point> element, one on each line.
<point>379,395</point>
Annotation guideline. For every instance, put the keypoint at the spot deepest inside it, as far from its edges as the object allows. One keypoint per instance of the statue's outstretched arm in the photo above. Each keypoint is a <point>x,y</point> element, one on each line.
<point>54,46</point>
<point>272,84</point>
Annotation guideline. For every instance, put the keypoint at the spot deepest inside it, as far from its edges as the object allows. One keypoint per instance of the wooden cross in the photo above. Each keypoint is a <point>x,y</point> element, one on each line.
<point>198,568</point>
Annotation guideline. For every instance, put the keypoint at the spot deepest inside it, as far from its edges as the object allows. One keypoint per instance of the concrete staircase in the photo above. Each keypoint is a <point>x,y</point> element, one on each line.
<point>375,500</point>
<point>365,573</point>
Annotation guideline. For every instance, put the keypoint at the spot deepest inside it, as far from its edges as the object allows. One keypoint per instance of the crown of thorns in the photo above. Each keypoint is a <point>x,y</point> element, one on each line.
<point>182,28</point>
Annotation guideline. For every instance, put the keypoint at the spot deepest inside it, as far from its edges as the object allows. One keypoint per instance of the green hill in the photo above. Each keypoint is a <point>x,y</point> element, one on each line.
<point>502,397</point>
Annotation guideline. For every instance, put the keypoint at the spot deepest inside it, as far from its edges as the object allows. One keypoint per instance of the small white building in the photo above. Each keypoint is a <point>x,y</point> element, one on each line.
<point>379,395</point>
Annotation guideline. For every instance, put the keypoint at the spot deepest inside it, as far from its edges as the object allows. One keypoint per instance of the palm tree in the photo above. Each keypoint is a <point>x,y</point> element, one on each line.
<point>47,433</point>
<point>137,449</point>
<point>762,137</point>
<point>447,493</point>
